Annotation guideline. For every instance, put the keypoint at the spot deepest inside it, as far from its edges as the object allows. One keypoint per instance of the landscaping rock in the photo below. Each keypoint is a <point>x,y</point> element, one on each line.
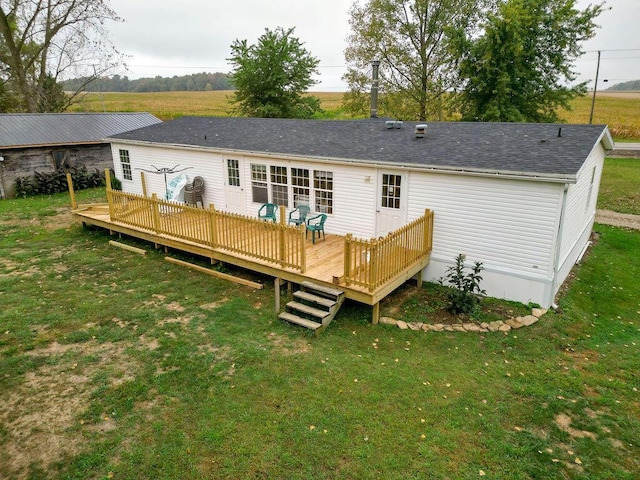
<point>514,323</point>
<point>538,312</point>
<point>438,327</point>
<point>484,325</point>
<point>471,327</point>
<point>504,328</point>
<point>528,320</point>
<point>402,325</point>
<point>388,321</point>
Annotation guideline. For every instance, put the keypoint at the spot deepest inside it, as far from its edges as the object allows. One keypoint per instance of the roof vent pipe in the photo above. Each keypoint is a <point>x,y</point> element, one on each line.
<point>559,131</point>
<point>421,130</point>
<point>374,88</point>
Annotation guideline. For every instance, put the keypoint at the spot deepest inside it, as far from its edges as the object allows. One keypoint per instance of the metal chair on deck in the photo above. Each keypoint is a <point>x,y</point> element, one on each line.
<point>268,212</point>
<point>298,216</point>
<point>316,224</point>
<point>194,192</point>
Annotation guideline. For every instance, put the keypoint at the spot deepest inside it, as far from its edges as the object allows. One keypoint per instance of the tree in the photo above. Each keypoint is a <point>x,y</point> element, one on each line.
<point>271,76</point>
<point>416,43</point>
<point>42,41</point>
<point>521,69</point>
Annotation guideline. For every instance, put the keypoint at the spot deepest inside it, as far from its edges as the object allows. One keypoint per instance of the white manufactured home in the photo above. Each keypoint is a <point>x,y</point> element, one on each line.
<point>520,198</point>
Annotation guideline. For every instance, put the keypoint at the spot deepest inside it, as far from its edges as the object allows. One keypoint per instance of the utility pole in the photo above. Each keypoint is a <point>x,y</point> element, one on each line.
<point>595,88</point>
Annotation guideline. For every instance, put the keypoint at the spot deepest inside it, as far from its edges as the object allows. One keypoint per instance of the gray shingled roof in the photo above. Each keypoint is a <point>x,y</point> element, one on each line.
<point>37,129</point>
<point>510,148</point>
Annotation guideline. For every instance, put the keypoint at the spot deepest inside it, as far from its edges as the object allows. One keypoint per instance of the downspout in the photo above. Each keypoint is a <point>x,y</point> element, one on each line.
<point>556,260</point>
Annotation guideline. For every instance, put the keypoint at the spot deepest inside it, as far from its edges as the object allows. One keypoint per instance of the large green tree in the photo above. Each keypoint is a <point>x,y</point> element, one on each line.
<point>43,41</point>
<point>521,68</point>
<point>271,76</point>
<point>416,42</point>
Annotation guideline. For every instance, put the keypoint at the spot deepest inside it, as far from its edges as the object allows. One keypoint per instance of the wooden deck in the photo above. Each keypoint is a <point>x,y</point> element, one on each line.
<point>366,270</point>
<point>324,259</point>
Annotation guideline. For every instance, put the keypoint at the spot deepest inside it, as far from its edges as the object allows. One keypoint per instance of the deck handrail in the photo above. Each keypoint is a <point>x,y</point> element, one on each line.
<point>272,242</point>
<point>371,263</point>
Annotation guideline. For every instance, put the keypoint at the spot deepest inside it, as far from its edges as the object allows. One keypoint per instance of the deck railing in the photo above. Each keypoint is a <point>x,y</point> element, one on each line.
<point>272,242</point>
<point>371,263</point>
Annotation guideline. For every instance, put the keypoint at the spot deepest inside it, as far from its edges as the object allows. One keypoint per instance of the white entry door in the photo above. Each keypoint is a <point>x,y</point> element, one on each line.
<point>234,194</point>
<point>391,210</point>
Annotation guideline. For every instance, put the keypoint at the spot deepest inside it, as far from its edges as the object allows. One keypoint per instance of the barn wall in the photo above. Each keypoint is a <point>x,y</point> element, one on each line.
<point>25,161</point>
<point>509,225</point>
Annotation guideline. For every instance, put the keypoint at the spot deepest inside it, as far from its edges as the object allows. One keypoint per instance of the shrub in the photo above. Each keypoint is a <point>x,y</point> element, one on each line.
<point>464,288</point>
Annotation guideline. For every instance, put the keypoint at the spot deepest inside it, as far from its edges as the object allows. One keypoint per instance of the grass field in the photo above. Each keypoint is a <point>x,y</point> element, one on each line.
<point>117,365</point>
<point>620,186</point>
<point>620,111</point>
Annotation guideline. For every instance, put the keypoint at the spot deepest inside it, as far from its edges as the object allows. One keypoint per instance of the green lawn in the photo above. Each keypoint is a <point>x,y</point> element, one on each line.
<point>620,185</point>
<point>117,365</point>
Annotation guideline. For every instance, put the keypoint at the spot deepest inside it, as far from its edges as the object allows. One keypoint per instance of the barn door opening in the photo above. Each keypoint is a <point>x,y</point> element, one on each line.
<point>234,189</point>
<point>391,211</point>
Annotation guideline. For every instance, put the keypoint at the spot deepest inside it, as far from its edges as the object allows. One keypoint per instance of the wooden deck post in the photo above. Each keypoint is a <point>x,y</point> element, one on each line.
<point>144,185</point>
<point>212,226</point>
<point>156,212</point>
<point>72,194</point>
<point>303,248</point>
<point>419,278</point>
<point>283,249</point>
<point>276,288</point>
<point>428,230</point>
<point>375,314</point>
<point>374,263</point>
<point>347,259</point>
<point>107,181</point>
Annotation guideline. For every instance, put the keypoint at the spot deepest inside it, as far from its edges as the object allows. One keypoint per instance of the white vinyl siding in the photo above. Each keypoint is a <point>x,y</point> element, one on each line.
<point>581,202</point>
<point>508,225</point>
<point>210,166</point>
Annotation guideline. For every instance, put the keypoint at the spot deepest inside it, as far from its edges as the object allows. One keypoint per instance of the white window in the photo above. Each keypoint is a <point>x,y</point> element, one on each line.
<point>233,171</point>
<point>391,190</point>
<point>259,189</point>
<point>323,191</point>
<point>300,183</point>
<point>279,188</point>
<point>126,165</point>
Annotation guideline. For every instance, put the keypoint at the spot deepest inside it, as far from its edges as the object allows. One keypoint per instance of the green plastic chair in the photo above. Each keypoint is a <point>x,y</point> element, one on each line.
<point>316,224</point>
<point>298,216</point>
<point>268,212</point>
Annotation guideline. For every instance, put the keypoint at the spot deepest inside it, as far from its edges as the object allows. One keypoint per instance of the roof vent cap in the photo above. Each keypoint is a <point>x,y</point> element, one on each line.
<point>390,124</point>
<point>421,130</point>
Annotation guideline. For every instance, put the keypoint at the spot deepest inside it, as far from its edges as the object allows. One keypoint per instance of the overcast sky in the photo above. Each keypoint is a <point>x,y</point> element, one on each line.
<point>169,37</point>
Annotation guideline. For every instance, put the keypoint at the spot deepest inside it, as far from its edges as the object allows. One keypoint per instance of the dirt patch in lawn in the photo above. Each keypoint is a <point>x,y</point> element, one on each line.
<point>39,415</point>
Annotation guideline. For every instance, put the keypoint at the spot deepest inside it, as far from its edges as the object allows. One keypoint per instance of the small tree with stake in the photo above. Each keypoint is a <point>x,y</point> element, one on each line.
<point>464,292</point>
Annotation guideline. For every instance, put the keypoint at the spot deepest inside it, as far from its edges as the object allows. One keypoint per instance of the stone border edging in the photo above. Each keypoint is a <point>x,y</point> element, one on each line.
<point>497,326</point>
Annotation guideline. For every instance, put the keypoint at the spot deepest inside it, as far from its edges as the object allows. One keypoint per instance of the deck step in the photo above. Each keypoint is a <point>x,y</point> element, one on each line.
<point>303,322</point>
<point>314,312</point>
<point>310,297</point>
<point>322,289</point>
<point>316,308</point>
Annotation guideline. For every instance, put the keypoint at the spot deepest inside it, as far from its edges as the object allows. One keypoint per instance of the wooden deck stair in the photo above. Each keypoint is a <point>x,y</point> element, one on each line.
<point>313,306</point>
